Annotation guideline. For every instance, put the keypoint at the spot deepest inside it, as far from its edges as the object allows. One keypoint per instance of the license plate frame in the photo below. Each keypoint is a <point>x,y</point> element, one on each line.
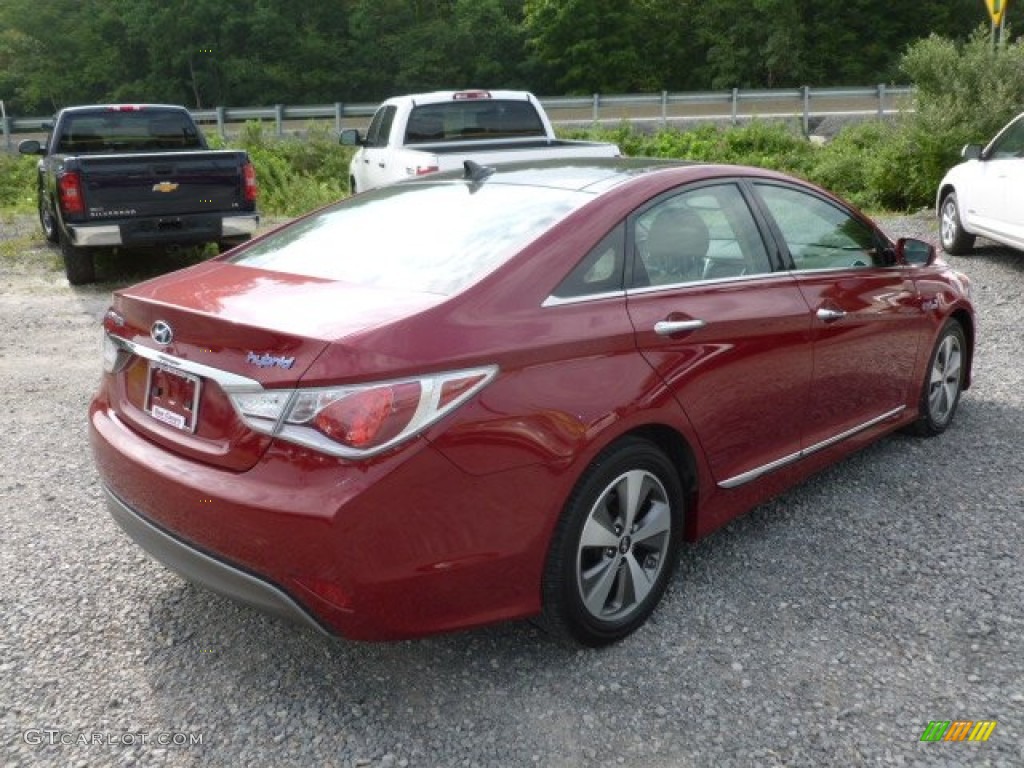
<point>172,397</point>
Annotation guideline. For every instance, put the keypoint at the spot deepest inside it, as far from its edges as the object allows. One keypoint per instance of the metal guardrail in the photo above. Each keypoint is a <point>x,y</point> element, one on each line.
<point>663,108</point>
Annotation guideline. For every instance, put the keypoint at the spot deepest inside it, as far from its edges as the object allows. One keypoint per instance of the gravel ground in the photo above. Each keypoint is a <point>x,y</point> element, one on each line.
<point>827,627</point>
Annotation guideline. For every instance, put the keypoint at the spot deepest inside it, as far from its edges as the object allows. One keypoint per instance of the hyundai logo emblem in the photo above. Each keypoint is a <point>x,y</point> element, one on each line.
<point>162,333</point>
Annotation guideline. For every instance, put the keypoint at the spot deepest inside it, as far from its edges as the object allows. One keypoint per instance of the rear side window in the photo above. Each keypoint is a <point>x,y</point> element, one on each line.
<point>600,271</point>
<point>433,238</point>
<point>473,119</point>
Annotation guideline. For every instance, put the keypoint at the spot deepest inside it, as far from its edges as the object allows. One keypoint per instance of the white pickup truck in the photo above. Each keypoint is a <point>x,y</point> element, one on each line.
<point>419,134</point>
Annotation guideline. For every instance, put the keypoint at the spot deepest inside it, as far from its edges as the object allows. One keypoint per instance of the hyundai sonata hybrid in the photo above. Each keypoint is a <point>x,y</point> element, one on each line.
<point>512,392</point>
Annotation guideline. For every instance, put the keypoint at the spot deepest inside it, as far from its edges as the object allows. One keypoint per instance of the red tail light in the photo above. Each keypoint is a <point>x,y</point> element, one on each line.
<point>69,187</point>
<point>359,420</point>
<point>251,190</point>
<point>371,416</point>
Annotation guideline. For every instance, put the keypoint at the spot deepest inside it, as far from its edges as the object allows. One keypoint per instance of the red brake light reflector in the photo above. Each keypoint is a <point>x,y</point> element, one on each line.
<point>69,188</point>
<point>369,417</point>
<point>251,190</point>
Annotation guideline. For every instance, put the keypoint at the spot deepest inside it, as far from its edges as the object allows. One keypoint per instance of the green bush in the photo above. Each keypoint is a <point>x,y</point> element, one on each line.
<point>17,182</point>
<point>295,174</point>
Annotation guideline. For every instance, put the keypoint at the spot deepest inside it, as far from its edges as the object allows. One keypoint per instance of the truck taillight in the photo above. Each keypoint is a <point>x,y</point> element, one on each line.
<point>422,170</point>
<point>69,187</point>
<point>251,190</point>
<point>468,95</point>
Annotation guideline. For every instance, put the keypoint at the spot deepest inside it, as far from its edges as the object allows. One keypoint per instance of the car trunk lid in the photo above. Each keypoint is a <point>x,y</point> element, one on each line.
<point>187,341</point>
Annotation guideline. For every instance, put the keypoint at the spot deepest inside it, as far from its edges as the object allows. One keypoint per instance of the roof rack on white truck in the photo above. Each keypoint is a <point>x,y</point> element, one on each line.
<point>419,134</point>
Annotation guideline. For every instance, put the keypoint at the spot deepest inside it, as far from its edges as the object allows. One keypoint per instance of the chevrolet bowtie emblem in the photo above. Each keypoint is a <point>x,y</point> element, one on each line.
<point>165,186</point>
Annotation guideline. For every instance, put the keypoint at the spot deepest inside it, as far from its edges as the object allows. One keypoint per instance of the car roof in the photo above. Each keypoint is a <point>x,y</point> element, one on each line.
<point>597,175</point>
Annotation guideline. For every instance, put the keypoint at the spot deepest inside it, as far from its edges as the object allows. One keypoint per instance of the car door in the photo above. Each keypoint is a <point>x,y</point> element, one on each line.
<point>1001,184</point>
<point>867,319</point>
<point>727,331</point>
<point>375,152</point>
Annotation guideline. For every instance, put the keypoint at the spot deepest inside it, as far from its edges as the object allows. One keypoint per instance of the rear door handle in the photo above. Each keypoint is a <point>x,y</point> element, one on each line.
<point>672,327</point>
<point>830,315</point>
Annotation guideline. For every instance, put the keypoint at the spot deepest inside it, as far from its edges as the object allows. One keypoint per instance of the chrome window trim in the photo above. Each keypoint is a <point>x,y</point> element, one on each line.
<point>828,270</point>
<point>746,477</point>
<point>713,282</point>
<point>229,382</point>
<point>558,301</point>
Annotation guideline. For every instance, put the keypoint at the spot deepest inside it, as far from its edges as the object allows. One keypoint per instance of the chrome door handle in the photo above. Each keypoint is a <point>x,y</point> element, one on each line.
<point>830,315</point>
<point>672,327</point>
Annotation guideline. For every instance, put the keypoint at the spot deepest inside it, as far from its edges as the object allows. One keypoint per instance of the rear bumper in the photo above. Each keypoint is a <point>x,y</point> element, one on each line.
<point>381,551</point>
<point>165,230</point>
<point>200,568</point>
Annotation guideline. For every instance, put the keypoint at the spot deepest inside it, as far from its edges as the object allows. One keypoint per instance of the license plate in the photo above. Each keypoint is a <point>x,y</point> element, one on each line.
<point>172,397</point>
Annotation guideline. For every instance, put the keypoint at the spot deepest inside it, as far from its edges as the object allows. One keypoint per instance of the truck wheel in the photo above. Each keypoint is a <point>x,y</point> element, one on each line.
<point>47,220</point>
<point>79,264</point>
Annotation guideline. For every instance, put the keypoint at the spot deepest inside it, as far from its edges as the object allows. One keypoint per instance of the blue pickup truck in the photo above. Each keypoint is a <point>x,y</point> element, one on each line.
<point>137,175</point>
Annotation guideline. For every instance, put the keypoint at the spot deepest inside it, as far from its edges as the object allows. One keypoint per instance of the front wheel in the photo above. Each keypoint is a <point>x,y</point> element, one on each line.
<point>955,239</point>
<point>79,264</point>
<point>943,382</point>
<point>615,546</point>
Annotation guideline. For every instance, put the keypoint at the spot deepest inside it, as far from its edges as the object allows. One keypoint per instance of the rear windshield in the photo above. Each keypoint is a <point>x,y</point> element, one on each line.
<point>127,131</point>
<point>473,119</point>
<point>434,238</point>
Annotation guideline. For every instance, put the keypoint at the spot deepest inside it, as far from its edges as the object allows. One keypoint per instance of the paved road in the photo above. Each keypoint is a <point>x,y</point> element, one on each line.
<point>826,628</point>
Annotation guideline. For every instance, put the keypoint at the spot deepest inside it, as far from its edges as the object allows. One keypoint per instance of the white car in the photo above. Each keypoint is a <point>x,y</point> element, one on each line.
<point>982,196</point>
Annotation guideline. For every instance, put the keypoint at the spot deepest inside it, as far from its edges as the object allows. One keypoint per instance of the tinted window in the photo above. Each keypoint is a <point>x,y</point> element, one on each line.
<point>435,238</point>
<point>600,271</point>
<point>472,119</point>
<point>819,234</point>
<point>704,234</point>
<point>1010,143</point>
<point>128,130</point>
<point>380,127</point>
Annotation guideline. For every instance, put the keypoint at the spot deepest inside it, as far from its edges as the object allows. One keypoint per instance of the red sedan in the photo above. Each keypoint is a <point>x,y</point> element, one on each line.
<point>514,393</point>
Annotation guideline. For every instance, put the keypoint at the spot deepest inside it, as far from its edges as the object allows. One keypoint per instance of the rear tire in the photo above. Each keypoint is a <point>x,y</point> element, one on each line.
<point>79,264</point>
<point>615,546</point>
<point>955,240</point>
<point>47,220</point>
<point>943,382</point>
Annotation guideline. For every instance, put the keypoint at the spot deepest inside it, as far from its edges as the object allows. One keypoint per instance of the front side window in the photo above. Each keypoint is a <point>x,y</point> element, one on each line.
<point>1010,143</point>
<point>430,238</point>
<point>819,234</point>
<point>706,233</point>
<point>380,126</point>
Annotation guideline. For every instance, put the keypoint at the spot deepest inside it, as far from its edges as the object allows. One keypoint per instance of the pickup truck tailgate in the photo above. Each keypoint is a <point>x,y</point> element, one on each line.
<point>159,185</point>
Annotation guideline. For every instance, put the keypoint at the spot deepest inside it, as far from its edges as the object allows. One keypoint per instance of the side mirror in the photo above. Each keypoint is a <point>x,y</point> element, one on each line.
<point>350,138</point>
<point>971,152</point>
<point>31,147</point>
<point>915,253</point>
